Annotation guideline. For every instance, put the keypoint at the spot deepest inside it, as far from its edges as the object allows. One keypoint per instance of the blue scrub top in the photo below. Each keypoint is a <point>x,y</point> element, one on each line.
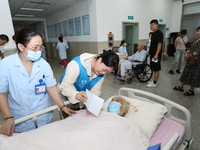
<point>22,99</point>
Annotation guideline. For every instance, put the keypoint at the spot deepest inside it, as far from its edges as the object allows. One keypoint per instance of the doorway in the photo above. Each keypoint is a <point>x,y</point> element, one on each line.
<point>131,35</point>
<point>162,28</point>
<point>190,24</point>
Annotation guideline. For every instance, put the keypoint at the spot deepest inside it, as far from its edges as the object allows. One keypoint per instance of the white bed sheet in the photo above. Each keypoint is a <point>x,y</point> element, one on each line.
<point>80,132</point>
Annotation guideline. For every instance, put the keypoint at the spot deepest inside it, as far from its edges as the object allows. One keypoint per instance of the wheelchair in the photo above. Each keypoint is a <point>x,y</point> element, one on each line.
<point>142,72</point>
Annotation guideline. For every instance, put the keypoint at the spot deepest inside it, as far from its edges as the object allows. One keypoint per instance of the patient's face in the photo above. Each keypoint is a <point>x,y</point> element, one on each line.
<point>123,110</point>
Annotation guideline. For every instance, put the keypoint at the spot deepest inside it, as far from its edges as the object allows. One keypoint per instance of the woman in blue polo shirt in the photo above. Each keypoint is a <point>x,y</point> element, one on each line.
<point>26,81</point>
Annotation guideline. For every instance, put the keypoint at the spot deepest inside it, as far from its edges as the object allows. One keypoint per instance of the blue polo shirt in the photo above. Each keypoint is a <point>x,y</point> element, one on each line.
<point>22,99</point>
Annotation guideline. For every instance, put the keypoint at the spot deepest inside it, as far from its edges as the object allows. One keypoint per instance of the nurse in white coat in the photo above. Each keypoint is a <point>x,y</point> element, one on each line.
<point>62,47</point>
<point>26,82</point>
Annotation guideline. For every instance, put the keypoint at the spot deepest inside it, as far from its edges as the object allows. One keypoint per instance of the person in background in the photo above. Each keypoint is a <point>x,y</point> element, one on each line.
<point>26,81</point>
<point>191,74</point>
<point>118,105</point>
<point>188,44</point>
<point>43,51</point>
<point>122,47</point>
<point>3,40</point>
<point>147,47</point>
<point>155,52</point>
<point>87,71</point>
<point>180,45</point>
<point>126,63</point>
<point>64,40</point>
<point>62,47</point>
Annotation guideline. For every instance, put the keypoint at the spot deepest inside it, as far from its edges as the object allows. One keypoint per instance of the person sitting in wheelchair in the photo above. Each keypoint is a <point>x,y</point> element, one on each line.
<point>127,62</point>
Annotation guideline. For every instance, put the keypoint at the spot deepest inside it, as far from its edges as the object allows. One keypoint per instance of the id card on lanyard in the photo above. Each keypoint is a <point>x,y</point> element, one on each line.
<point>40,88</point>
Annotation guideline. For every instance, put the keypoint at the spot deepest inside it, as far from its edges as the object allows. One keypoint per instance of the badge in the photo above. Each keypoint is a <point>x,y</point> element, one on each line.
<point>40,88</point>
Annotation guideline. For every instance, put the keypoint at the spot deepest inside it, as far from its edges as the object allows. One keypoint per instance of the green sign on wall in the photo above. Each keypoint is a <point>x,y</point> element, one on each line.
<point>130,17</point>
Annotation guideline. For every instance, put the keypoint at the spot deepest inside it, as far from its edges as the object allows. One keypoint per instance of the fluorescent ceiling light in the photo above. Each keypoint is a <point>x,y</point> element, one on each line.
<point>21,15</point>
<point>34,9</point>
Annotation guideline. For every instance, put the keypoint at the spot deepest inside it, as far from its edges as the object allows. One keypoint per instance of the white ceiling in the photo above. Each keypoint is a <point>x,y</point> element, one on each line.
<point>50,7</point>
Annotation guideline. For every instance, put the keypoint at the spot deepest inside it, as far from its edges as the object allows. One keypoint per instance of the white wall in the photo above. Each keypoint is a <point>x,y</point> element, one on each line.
<point>111,14</point>
<point>177,14</point>
<point>190,1</point>
<point>78,10</point>
<point>108,16</point>
<point>6,25</point>
<point>176,18</point>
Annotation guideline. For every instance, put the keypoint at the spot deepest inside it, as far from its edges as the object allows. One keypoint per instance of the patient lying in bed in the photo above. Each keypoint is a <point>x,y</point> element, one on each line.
<point>118,105</point>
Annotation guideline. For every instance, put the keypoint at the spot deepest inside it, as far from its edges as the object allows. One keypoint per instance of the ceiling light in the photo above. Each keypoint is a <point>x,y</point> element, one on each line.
<point>34,9</point>
<point>21,15</point>
<point>42,2</point>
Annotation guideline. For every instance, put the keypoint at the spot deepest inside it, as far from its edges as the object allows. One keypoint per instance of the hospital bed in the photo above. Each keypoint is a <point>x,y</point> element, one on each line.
<point>170,130</point>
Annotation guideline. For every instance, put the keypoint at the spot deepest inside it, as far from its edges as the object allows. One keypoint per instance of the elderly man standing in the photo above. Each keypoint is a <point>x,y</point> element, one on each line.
<point>127,62</point>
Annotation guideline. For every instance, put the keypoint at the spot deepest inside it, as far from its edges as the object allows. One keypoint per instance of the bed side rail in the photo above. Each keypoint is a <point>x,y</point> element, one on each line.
<point>170,144</point>
<point>34,115</point>
<point>169,105</point>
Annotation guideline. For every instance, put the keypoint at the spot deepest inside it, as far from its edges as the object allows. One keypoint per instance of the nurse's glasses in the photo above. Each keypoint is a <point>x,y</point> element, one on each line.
<point>35,49</point>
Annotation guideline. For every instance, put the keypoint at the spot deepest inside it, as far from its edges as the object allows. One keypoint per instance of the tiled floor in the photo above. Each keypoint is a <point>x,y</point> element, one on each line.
<point>166,83</point>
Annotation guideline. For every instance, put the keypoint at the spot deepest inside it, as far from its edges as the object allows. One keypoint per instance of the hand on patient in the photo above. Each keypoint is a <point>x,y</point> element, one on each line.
<point>81,96</point>
<point>68,111</point>
<point>7,127</point>
<point>87,111</point>
<point>118,105</point>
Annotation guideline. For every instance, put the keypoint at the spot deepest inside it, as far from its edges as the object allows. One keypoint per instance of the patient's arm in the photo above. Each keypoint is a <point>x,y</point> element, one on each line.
<point>7,127</point>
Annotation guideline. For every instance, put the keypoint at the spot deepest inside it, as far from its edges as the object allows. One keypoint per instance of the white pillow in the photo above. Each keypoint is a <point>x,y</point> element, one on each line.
<point>146,115</point>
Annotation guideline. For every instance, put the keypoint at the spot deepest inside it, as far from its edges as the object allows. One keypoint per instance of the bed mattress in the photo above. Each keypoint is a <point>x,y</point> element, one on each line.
<point>165,131</point>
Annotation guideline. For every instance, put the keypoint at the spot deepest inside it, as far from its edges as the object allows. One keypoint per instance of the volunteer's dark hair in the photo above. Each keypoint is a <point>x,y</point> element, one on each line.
<point>24,35</point>
<point>110,59</point>
<point>122,42</point>
<point>154,21</point>
<point>184,31</point>
<point>4,37</point>
<point>198,28</point>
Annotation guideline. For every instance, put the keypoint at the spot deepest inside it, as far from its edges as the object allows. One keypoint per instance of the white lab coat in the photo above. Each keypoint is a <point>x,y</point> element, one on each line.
<point>62,47</point>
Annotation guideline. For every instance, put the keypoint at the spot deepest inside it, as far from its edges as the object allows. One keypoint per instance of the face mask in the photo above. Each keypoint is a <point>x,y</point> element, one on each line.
<point>124,44</point>
<point>33,56</point>
<point>114,107</point>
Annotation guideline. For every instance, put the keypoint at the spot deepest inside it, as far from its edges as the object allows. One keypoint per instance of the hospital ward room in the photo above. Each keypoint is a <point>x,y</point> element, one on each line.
<point>99,75</point>
<point>151,122</point>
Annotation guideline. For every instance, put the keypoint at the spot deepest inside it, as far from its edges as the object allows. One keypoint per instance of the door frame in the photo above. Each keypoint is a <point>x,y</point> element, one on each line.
<point>162,28</point>
<point>134,37</point>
